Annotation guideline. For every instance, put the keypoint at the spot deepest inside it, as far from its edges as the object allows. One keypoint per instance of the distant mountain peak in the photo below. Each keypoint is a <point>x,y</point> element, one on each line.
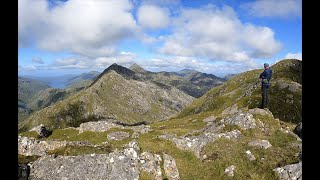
<point>123,71</point>
<point>186,70</point>
<point>136,68</point>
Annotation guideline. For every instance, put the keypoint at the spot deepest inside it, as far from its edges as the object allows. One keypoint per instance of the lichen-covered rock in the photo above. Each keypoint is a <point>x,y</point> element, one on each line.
<point>213,128</point>
<point>120,165</point>
<point>298,130</point>
<point>135,135</point>
<point>230,110</point>
<point>98,126</point>
<point>151,163</point>
<point>23,171</point>
<point>290,172</point>
<point>119,135</point>
<point>230,170</point>
<point>170,167</point>
<point>133,144</point>
<point>41,130</point>
<point>31,146</point>
<point>141,128</point>
<point>209,119</point>
<point>292,86</point>
<point>197,143</point>
<point>243,120</point>
<point>250,156</point>
<point>260,144</point>
<point>261,112</point>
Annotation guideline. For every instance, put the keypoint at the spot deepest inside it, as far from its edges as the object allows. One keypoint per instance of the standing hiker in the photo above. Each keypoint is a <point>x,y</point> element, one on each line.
<point>265,77</point>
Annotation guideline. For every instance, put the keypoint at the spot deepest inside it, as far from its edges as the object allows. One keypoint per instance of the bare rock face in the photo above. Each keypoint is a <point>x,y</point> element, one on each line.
<point>170,167</point>
<point>41,130</point>
<point>243,120</point>
<point>151,164</point>
<point>260,144</point>
<point>230,170</point>
<point>120,165</point>
<point>290,172</point>
<point>119,135</point>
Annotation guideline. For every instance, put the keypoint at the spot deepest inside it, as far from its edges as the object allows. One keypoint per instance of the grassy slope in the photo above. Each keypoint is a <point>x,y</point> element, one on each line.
<point>221,153</point>
<point>29,87</point>
<point>244,90</point>
<point>112,96</point>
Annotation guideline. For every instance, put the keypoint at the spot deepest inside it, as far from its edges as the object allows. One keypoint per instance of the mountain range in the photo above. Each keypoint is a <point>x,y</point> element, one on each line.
<point>125,118</point>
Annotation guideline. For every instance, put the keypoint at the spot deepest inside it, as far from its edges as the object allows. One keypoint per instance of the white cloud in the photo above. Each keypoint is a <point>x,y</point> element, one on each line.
<point>90,27</point>
<point>37,60</point>
<point>153,17</point>
<point>274,8</point>
<point>82,62</point>
<point>27,68</point>
<point>218,34</point>
<point>293,56</point>
<point>161,2</point>
<point>180,62</point>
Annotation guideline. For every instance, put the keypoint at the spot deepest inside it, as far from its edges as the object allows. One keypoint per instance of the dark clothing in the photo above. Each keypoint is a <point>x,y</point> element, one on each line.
<point>266,76</point>
<point>264,93</point>
<point>265,84</point>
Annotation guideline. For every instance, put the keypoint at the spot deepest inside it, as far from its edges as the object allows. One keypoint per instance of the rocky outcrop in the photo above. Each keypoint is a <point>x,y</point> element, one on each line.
<point>263,112</point>
<point>150,163</point>
<point>264,144</point>
<point>230,110</point>
<point>105,125</point>
<point>292,86</point>
<point>250,156</point>
<point>170,167</point>
<point>230,170</point>
<point>298,130</point>
<point>23,171</point>
<point>241,119</point>
<point>98,126</point>
<point>119,135</point>
<point>197,143</point>
<point>42,131</point>
<point>120,165</point>
<point>290,172</point>
<point>31,146</point>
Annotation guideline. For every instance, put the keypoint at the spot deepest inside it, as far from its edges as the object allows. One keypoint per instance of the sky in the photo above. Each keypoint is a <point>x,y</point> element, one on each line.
<point>57,37</point>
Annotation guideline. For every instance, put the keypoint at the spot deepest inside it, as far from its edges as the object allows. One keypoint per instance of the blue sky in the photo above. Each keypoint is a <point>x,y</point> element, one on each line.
<point>57,37</point>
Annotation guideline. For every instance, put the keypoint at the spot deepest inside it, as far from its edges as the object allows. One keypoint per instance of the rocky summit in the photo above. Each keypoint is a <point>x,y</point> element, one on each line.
<point>221,135</point>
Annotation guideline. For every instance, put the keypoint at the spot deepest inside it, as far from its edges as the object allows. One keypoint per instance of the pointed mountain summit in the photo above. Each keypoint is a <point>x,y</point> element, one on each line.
<point>113,96</point>
<point>125,72</point>
<point>136,68</point>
